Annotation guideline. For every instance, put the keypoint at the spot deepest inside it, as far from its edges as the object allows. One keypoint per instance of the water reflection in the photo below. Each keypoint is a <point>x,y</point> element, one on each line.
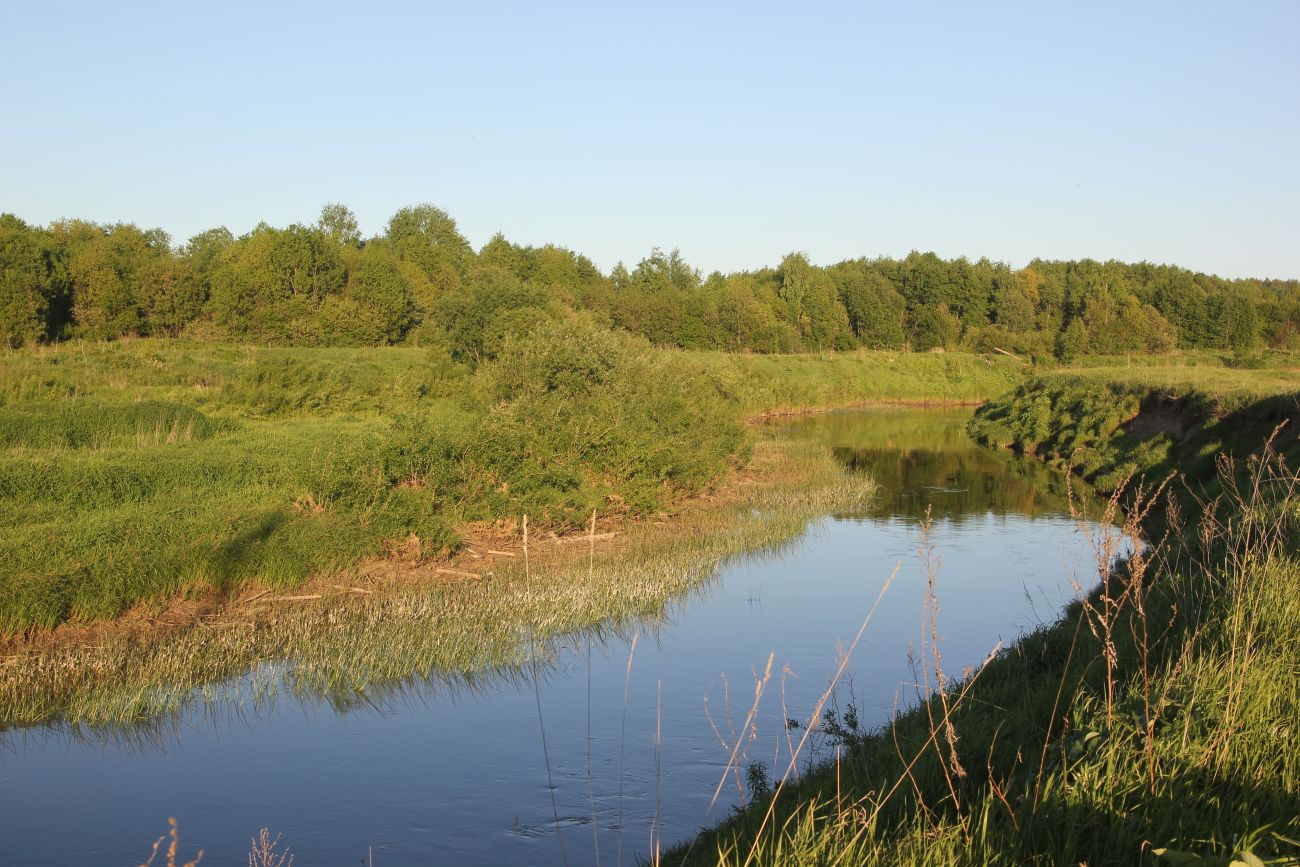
<point>923,459</point>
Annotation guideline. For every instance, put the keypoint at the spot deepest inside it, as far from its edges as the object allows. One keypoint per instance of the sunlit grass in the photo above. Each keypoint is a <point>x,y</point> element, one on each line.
<point>347,643</point>
<point>762,383</point>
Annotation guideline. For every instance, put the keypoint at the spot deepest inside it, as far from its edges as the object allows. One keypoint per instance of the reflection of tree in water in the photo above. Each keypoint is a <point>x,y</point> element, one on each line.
<point>955,484</point>
<point>923,458</point>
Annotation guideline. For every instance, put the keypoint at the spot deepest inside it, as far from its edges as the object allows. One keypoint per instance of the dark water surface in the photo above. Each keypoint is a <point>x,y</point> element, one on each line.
<point>454,771</point>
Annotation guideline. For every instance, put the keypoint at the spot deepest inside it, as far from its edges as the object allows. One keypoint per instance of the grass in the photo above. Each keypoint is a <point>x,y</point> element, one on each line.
<point>1155,722</point>
<point>1109,423</point>
<point>136,471</point>
<point>1155,718</point>
<point>348,645</point>
<point>777,383</point>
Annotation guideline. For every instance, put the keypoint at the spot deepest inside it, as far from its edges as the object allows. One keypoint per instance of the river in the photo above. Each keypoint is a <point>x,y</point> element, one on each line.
<point>551,763</point>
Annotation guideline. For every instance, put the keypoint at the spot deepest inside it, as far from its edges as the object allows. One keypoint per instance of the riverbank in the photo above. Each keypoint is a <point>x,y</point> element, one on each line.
<point>139,472</point>
<point>1153,723</point>
<point>382,625</point>
<point>156,489</point>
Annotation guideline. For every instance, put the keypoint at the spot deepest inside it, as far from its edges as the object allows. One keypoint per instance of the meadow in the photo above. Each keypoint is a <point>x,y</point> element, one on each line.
<point>138,470</point>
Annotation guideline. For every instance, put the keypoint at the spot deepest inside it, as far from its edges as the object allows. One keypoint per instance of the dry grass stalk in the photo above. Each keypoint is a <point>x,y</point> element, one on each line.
<point>172,848</point>
<point>262,851</point>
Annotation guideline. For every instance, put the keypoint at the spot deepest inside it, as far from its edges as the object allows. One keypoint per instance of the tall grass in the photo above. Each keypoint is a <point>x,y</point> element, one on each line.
<point>133,472</point>
<point>349,643</point>
<point>1156,722</point>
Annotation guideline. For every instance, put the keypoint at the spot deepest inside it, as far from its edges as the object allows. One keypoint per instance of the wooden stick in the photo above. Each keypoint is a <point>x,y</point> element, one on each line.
<point>501,553</point>
<point>294,598</point>
<point>1010,355</point>
<point>460,572</point>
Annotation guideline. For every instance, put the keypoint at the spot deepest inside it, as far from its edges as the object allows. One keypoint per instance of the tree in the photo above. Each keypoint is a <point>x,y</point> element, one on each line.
<point>1072,341</point>
<point>427,236</point>
<point>811,296</point>
<point>1013,307</point>
<point>339,224</point>
<point>498,252</point>
<point>107,292</point>
<point>271,281</point>
<point>934,328</point>
<point>27,283</point>
<point>172,295</point>
<point>478,316</point>
<point>383,296</point>
<point>875,308</point>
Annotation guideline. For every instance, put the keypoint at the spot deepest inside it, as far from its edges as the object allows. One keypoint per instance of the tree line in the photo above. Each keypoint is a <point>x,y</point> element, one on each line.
<point>421,281</point>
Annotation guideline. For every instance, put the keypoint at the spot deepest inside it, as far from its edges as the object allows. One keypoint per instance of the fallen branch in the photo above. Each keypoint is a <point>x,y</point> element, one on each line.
<point>590,537</point>
<point>460,572</point>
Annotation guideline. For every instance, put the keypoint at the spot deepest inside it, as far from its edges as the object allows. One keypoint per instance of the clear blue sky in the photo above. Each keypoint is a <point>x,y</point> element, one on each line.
<point>737,132</point>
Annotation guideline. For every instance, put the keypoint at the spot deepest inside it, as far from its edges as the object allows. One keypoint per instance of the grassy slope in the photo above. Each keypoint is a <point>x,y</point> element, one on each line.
<point>773,383</point>
<point>1188,742</point>
<point>1110,422</point>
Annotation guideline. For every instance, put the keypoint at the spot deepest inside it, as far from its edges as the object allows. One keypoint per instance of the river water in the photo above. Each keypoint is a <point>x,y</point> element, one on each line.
<point>552,764</point>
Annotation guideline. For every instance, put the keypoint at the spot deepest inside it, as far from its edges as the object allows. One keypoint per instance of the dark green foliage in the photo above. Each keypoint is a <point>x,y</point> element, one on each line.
<point>934,328</point>
<point>32,284</point>
<point>476,318</point>
<point>875,309</point>
<point>1054,416</point>
<point>324,284</point>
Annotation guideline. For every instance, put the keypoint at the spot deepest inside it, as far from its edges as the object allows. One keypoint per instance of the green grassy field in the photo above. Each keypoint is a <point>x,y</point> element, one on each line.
<point>141,470</point>
<point>1155,722</point>
<point>776,383</point>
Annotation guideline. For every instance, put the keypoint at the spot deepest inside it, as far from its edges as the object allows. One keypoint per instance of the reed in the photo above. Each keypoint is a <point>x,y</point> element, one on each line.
<point>1153,723</point>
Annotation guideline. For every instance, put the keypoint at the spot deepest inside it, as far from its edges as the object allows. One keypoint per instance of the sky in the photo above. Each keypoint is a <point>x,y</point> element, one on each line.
<point>1157,131</point>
